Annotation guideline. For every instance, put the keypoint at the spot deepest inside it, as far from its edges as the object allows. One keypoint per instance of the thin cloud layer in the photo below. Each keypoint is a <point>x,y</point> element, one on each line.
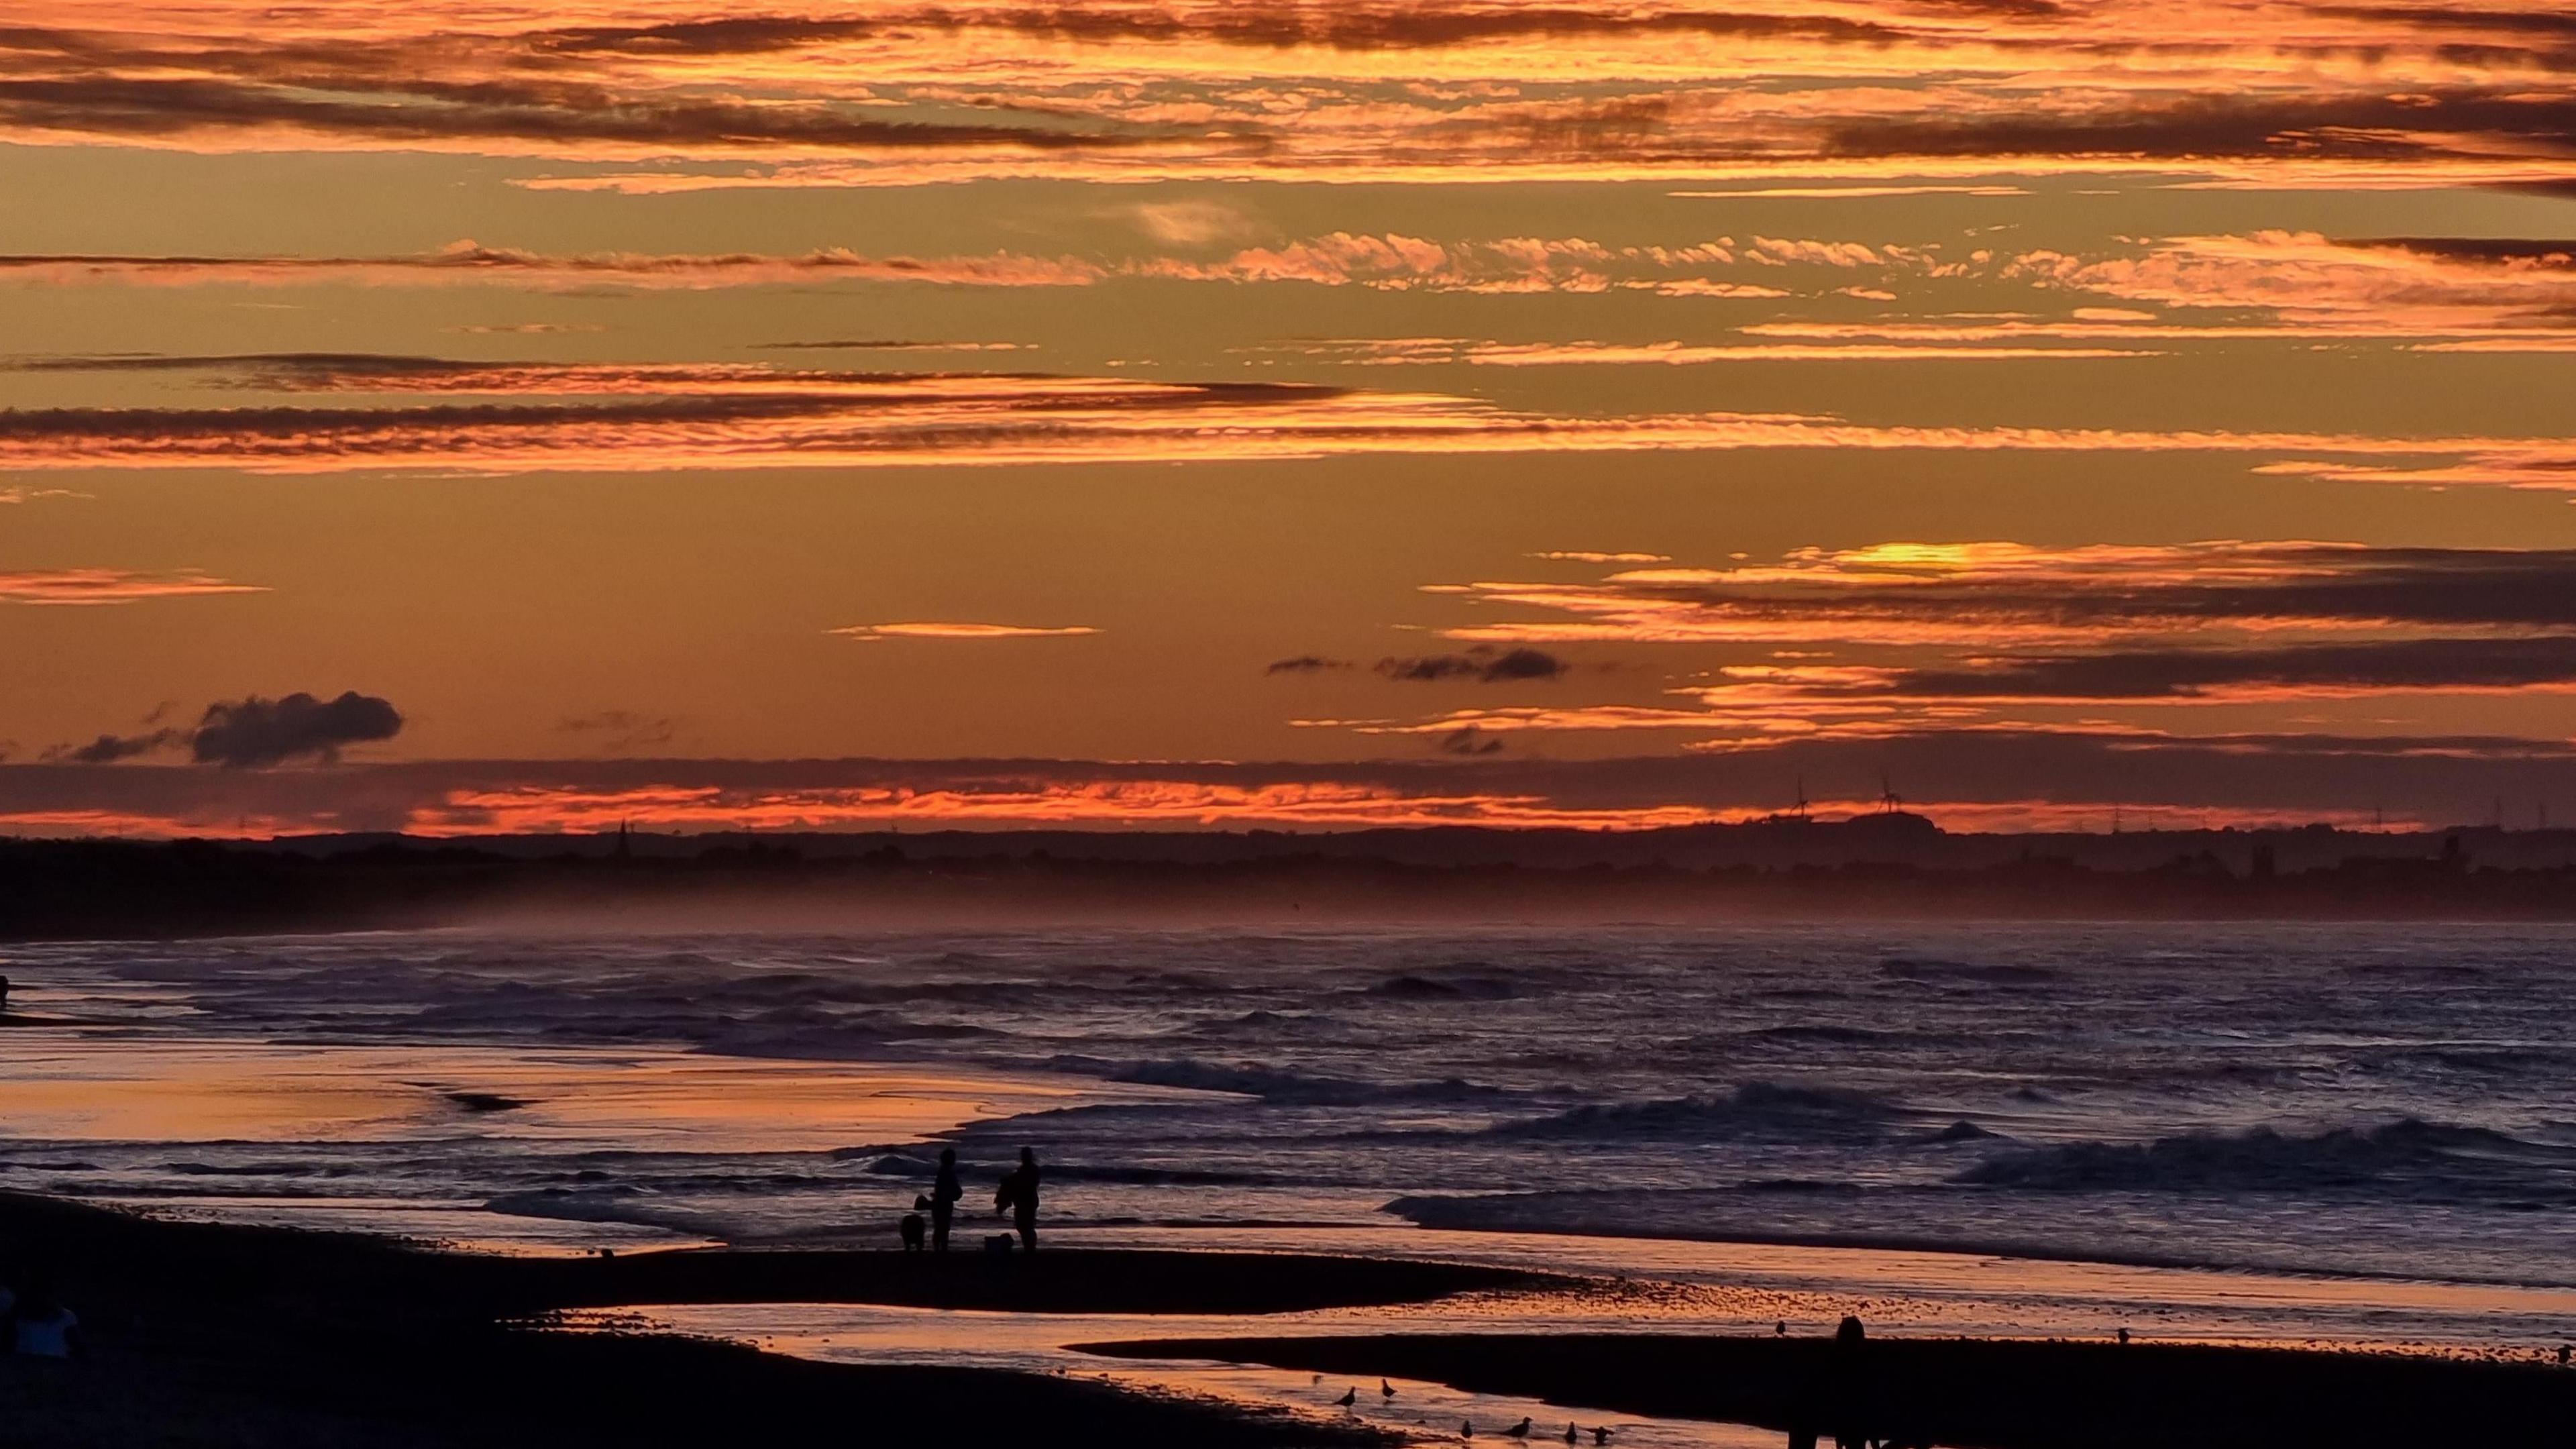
<point>1367,90</point>
<point>1974,595</point>
<point>865,632</point>
<point>544,417</point>
<point>1998,779</point>
<point>471,263</point>
<point>111,586</point>
<point>1903,638</point>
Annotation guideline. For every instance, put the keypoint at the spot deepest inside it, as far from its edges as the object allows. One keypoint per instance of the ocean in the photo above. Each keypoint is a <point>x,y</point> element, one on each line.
<point>2355,1132</point>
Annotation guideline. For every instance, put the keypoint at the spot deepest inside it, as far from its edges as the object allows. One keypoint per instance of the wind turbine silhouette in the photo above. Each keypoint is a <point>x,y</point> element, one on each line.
<point>1888,799</point>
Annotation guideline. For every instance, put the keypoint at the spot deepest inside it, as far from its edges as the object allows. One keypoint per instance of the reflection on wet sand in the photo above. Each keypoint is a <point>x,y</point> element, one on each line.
<point>1419,1409</point>
<point>68,1085</point>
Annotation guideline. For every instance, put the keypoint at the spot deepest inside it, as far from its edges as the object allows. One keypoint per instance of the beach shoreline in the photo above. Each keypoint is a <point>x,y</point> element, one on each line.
<point>227,1334</point>
<point>218,1334</point>
<point>1992,1393</point>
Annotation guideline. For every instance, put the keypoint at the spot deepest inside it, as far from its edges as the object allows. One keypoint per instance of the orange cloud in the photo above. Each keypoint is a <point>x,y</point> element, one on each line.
<point>1948,635</point>
<point>470,262</point>
<point>111,586</point>
<point>1680,354</point>
<point>1991,594</point>
<point>960,631</point>
<point>2304,284</point>
<point>1365,90</point>
<point>652,417</point>
<point>1987,775</point>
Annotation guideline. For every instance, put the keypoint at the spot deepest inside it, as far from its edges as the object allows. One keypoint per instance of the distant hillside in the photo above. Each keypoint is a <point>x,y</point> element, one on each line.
<point>1893,864</point>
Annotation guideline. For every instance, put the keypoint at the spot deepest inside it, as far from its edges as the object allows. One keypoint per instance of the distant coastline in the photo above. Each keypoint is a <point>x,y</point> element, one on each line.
<point>1891,865</point>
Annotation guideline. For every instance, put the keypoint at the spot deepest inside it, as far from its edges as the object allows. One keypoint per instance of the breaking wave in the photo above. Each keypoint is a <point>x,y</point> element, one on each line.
<point>2426,1158</point>
<point>1766,1110</point>
<point>1276,1086</point>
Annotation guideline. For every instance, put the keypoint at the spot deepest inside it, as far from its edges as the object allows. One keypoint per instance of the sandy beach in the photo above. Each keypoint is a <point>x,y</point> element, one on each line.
<point>225,1335</point>
<point>1997,1394</point>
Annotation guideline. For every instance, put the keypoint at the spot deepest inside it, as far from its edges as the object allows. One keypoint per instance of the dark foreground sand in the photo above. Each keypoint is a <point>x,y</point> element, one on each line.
<point>1983,1393</point>
<point>228,1336</point>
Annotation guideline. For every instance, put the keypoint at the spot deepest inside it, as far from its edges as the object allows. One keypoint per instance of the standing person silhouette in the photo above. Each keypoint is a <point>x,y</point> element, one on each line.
<point>944,1194</point>
<point>1023,1189</point>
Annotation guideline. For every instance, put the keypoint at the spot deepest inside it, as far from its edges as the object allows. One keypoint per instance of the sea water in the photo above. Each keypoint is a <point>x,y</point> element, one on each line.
<point>2249,1105</point>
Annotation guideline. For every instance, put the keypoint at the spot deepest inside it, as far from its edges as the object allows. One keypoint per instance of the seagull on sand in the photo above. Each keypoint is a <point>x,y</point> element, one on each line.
<point>1521,1429</point>
<point>1385,1390</point>
<point>1600,1435</point>
<point>1349,1397</point>
<point>1466,1428</point>
<point>1569,1431</point>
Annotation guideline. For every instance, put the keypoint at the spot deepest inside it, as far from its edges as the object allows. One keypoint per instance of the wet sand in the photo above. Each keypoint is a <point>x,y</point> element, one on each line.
<point>229,1335</point>
<point>224,1335</point>
<point>1992,1394</point>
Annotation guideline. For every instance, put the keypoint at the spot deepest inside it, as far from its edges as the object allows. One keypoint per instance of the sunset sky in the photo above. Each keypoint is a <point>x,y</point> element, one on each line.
<point>506,416</point>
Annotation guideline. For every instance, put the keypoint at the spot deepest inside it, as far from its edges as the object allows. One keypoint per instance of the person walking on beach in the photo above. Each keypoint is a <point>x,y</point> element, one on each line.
<point>944,1194</point>
<point>1019,1197</point>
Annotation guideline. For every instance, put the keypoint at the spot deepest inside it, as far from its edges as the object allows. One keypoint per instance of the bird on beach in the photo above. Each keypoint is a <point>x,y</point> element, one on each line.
<point>1521,1429</point>
<point>1385,1390</point>
<point>1349,1396</point>
<point>1569,1431</point>
<point>1466,1428</point>
<point>1600,1435</point>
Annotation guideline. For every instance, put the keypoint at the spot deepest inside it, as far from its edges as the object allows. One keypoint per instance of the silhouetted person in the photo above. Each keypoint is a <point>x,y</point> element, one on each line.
<point>944,1194</point>
<point>1020,1194</point>
<point>1849,1385</point>
<point>41,1327</point>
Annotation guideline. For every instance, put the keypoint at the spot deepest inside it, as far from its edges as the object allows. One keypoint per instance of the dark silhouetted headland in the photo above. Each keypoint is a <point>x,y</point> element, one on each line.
<point>1892,865</point>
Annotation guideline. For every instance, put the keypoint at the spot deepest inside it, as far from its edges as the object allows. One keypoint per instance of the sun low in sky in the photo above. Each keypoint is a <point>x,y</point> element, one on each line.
<point>529,417</point>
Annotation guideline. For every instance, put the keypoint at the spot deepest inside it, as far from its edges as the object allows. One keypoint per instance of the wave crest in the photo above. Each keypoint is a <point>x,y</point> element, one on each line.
<point>2431,1158</point>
